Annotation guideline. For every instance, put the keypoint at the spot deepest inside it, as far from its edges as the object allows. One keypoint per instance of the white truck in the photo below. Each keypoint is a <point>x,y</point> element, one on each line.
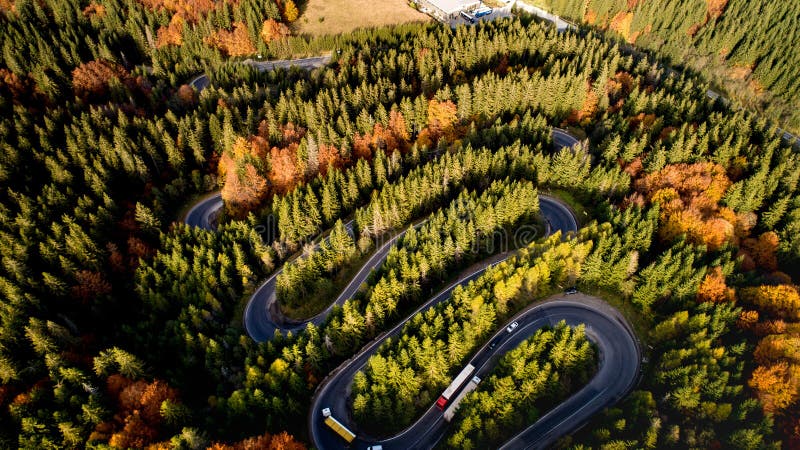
<point>451,410</point>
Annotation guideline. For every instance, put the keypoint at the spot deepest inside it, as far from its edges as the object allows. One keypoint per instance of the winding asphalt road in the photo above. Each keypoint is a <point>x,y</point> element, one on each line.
<point>333,392</point>
<point>618,352</point>
<point>262,320</point>
<point>619,364</point>
<point>562,139</point>
<point>618,369</point>
<point>204,213</point>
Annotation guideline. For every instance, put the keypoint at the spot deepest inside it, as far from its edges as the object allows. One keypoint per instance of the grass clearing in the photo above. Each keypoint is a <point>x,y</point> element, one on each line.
<point>320,17</point>
<point>577,207</point>
<point>641,324</point>
<point>320,300</point>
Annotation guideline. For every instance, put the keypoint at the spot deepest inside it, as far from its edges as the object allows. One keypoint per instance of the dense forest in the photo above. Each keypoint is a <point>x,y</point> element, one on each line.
<point>746,47</point>
<point>121,327</point>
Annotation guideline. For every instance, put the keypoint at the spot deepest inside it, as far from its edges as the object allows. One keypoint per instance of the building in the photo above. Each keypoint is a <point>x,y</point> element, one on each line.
<point>447,10</point>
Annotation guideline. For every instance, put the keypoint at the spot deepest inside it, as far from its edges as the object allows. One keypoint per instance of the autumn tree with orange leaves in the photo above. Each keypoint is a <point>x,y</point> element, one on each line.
<point>689,195</point>
<point>280,441</point>
<point>94,11</point>
<point>138,419</point>
<point>190,10</point>
<point>244,186</point>
<point>273,30</point>
<point>389,138</point>
<point>91,80</point>
<point>171,34</point>
<point>233,43</point>
<point>763,250</point>
<point>441,123</point>
<point>777,386</point>
<point>714,289</point>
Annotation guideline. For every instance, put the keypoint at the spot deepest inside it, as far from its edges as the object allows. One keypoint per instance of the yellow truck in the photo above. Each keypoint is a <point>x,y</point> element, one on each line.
<point>337,426</point>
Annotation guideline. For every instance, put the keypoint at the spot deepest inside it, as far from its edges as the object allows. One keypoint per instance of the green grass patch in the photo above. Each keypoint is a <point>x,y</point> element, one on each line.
<point>322,298</point>
<point>581,214</point>
<point>640,322</point>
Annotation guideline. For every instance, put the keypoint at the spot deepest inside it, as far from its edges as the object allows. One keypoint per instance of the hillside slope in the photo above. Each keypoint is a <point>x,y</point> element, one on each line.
<point>748,47</point>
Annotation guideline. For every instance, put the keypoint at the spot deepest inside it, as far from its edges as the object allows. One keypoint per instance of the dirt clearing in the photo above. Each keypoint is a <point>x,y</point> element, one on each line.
<point>338,16</point>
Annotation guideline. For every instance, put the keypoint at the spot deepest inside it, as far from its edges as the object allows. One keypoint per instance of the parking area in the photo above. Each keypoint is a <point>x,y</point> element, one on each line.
<point>497,13</point>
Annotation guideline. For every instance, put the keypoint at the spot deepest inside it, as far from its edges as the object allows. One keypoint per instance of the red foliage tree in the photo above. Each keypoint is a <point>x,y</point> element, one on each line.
<point>14,87</point>
<point>390,138</point>
<point>91,80</point>
<point>329,157</point>
<point>90,285</point>
<point>770,327</point>
<point>135,433</point>
<point>187,95</point>
<point>138,419</point>
<point>763,250</point>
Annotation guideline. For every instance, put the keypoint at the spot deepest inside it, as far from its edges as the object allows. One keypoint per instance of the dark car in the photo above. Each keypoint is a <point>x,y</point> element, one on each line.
<point>572,290</point>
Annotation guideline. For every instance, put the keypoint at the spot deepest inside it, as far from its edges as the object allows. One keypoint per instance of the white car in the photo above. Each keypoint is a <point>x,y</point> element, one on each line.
<point>512,327</point>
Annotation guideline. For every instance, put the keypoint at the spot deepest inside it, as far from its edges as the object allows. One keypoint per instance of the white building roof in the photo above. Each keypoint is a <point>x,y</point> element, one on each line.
<point>453,6</point>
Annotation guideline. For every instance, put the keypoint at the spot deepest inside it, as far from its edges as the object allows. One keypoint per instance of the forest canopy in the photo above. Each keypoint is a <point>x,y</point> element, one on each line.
<point>122,327</point>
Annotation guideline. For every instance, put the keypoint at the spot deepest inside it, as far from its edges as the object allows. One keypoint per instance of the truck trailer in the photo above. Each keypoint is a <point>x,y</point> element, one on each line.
<point>457,382</point>
<point>337,426</point>
<point>451,410</point>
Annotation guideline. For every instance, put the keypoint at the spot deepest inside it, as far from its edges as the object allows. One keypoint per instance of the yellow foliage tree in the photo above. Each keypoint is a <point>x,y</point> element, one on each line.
<point>782,300</point>
<point>290,11</point>
<point>776,386</point>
